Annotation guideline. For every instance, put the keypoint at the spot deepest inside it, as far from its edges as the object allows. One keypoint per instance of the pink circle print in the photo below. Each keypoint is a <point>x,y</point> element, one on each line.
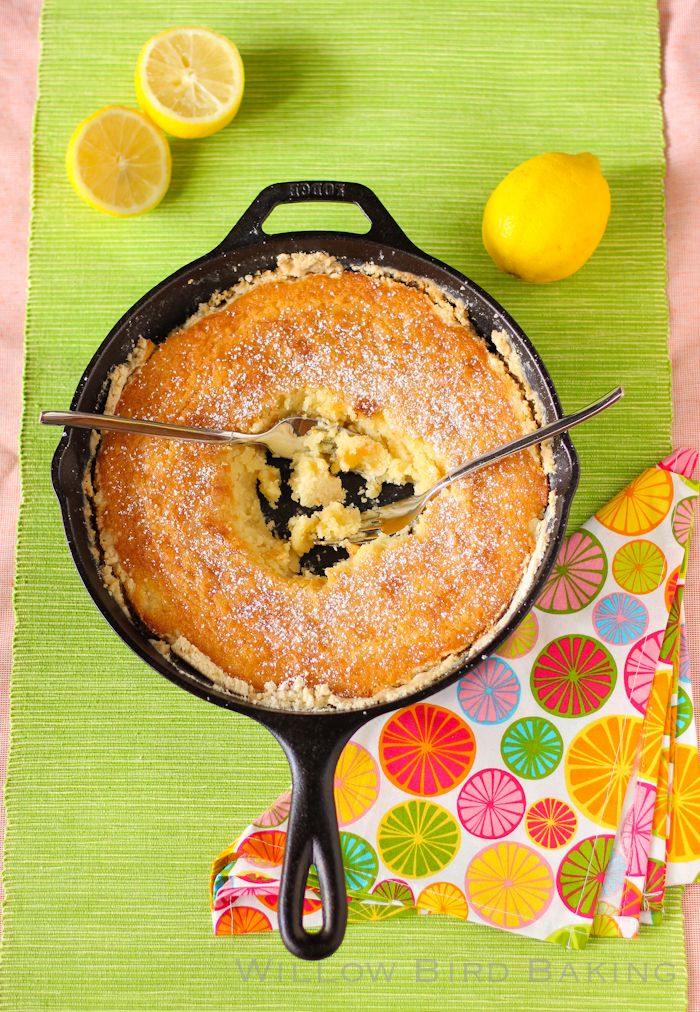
<point>682,522</point>
<point>491,804</point>
<point>577,576</point>
<point>490,692</point>
<point>640,668</point>
<point>636,829</point>
<point>573,676</point>
<point>550,823</point>
<point>683,461</point>
<point>426,749</point>
<point>683,655</point>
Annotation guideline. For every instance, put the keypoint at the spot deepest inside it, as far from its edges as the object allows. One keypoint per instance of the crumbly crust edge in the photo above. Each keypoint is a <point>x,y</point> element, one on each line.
<point>295,695</point>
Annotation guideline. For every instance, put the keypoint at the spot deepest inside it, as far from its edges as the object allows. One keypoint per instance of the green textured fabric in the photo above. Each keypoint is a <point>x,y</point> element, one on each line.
<point>122,788</point>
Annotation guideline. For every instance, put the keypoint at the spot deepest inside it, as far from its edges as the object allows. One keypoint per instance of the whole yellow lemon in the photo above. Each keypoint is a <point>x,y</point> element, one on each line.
<point>546,218</point>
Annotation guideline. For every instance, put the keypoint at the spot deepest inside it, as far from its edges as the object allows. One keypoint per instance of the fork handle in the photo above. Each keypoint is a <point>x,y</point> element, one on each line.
<point>531,439</point>
<point>115,423</point>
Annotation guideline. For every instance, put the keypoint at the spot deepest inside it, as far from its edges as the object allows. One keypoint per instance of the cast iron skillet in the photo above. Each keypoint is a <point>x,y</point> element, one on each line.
<point>311,741</point>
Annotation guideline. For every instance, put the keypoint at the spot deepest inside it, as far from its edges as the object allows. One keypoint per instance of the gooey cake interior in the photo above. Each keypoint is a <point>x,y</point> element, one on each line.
<point>183,529</point>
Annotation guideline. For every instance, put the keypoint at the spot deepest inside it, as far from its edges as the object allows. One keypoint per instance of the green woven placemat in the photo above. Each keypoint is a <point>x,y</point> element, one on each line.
<point>122,788</point>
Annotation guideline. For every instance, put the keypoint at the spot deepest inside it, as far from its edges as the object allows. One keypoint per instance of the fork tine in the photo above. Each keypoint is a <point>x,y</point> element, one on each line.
<point>369,522</point>
<point>392,510</point>
<point>359,538</point>
<point>363,536</point>
<point>371,525</point>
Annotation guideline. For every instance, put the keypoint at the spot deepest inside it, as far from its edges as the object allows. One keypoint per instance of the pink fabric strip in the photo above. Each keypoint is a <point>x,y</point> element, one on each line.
<point>19,53</point>
<point>680,26</point>
<point>680,32</point>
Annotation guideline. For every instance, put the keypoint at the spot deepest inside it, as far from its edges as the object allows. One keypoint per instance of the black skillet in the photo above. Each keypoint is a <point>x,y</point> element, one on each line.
<point>311,741</point>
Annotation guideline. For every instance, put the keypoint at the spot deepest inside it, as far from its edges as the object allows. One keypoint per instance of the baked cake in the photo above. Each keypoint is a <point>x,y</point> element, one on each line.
<point>181,531</point>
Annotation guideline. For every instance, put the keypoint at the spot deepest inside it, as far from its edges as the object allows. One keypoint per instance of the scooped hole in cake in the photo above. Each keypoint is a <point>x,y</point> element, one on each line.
<point>284,510</point>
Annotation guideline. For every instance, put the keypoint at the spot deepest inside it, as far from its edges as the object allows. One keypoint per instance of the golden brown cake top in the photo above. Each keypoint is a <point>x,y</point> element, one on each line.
<point>181,524</point>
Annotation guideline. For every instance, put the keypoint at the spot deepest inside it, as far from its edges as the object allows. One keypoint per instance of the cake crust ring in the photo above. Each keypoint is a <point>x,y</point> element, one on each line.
<point>365,347</point>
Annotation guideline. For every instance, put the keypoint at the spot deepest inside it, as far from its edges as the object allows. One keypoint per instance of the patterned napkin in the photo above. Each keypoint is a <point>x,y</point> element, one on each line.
<point>554,790</point>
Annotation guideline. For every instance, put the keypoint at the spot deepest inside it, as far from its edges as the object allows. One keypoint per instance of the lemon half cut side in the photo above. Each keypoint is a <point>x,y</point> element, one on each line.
<point>119,162</point>
<point>190,81</point>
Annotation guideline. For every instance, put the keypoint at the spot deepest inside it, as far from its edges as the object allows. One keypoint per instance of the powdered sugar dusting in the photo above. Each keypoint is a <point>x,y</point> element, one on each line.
<point>399,607</point>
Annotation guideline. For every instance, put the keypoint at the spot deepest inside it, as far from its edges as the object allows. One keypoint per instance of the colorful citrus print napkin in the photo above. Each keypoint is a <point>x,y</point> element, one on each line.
<point>554,790</point>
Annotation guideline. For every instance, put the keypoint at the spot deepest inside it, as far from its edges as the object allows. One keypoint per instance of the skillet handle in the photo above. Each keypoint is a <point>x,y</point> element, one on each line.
<point>312,750</point>
<point>249,227</point>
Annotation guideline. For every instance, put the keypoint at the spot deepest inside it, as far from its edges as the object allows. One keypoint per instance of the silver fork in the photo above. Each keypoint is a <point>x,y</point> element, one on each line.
<point>282,439</point>
<point>396,515</point>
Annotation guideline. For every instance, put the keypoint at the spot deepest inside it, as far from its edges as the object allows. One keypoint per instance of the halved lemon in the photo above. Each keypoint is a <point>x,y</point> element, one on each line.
<point>119,162</point>
<point>190,81</point>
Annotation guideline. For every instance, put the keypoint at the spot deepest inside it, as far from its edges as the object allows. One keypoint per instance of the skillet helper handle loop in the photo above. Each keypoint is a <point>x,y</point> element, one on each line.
<point>249,227</point>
